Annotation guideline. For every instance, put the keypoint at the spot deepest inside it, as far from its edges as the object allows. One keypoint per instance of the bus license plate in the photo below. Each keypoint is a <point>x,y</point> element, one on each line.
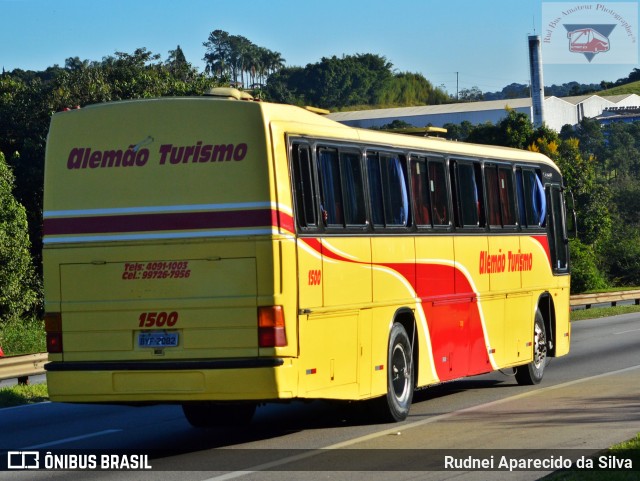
<point>157,339</point>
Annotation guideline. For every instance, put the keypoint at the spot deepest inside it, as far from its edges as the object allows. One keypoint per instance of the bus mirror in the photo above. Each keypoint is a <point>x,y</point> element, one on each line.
<point>572,221</point>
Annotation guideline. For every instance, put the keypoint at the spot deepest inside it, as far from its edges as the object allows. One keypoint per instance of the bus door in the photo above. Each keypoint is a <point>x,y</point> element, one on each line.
<point>557,230</point>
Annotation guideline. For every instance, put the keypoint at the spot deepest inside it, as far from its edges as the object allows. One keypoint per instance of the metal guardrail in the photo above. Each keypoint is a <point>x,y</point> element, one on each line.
<point>587,300</point>
<point>21,367</point>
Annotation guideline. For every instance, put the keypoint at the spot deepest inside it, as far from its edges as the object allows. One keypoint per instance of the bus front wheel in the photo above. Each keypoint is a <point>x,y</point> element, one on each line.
<point>400,380</point>
<point>532,373</point>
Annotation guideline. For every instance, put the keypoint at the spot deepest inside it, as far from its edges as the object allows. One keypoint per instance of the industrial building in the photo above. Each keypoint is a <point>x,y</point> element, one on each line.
<point>557,111</point>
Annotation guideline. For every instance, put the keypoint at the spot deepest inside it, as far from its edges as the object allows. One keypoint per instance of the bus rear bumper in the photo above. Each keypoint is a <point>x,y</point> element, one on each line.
<point>172,381</point>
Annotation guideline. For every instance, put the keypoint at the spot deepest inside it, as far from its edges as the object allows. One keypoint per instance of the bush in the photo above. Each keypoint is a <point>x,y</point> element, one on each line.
<point>621,254</point>
<point>585,274</point>
<point>18,336</point>
<point>18,292</point>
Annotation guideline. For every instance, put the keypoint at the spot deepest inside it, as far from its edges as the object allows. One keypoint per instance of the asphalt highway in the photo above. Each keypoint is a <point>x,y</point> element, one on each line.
<point>587,401</point>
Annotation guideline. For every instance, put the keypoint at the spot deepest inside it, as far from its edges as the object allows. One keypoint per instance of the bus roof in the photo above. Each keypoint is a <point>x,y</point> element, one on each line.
<point>309,120</point>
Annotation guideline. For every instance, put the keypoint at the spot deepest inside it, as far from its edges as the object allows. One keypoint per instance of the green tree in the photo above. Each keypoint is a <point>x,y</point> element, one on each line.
<point>347,81</point>
<point>351,80</point>
<point>622,256</point>
<point>473,94</point>
<point>18,293</point>
<point>593,197</point>
<point>218,53</point>
<point>236,59</point>
<point>623,153</point>
<point>408,89</point>
<point>485,133</point>
<point>626,196</point>
<point>459,131</point>
<point>592,142</point>
<point>27,100</point>
<point>178,65</point>
<point>514,130</point>
<point>586,273</point>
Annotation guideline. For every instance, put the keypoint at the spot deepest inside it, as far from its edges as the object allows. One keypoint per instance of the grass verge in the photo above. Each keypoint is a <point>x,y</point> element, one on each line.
<point>626,450</point>
<point>595,312</point>
<point>23,394</point>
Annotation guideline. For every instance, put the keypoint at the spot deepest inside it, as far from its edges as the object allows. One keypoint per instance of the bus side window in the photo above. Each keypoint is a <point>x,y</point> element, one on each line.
<point>531,198</point>
<point>438,192</point>
<point>331,191</point>
<point>304,186</point>
<point>396,206</point>
<point>468,190</point>
<point>507,197</point>
<point>493,196</point>
<point>342,189</point>
<point>421,191</point>
<point>500,196</point>
<point>387,190</point>
<point>375,189</point>
<point>353,189</point>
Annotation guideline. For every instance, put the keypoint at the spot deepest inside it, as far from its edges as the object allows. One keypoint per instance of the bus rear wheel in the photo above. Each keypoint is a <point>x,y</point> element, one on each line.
<point>400,380</point>
<point>532,373</point>
<point>217,414</point>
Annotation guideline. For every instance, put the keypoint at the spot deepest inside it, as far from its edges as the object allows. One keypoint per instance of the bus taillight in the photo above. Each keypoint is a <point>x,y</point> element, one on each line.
<point>53,328</point>
<point>271,331</point>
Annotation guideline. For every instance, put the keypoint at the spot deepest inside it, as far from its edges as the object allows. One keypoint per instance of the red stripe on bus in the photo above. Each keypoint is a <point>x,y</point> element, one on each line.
<point>452,313</point>
<point>450,307</point>
<point>166,222</point>
<point>543,240</point>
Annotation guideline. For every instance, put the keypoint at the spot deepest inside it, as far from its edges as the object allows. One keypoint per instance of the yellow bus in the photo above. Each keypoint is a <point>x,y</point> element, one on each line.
<point>218,253</point>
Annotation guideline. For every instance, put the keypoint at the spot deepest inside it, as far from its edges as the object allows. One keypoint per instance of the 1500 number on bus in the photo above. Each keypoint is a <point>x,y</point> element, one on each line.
<point>158,319</point>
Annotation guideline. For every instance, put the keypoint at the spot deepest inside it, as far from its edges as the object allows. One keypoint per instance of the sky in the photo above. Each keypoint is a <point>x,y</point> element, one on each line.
<point>455,44</point>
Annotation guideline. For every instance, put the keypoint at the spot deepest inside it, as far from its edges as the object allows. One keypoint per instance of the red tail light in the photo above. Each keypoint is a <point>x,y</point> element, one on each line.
<point>53,327</point>
<point>271,332</point>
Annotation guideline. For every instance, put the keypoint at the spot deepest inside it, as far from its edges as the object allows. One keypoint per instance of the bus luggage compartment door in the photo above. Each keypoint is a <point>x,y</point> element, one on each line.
<point>173,309</point>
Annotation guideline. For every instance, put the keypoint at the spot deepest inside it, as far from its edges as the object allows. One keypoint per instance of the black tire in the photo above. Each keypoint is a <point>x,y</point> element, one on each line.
<point>214,414</point>
<point>395,405</point>
<point>532,373</point>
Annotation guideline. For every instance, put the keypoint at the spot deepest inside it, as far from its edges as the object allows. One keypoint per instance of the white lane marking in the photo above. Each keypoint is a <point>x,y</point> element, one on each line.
<point>75,438</point>
<point>624,332</point>
<point>23,406</point>
<point>396,428</point>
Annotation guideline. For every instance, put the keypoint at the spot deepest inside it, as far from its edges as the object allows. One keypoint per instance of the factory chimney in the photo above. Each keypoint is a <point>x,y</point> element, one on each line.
<point>537,84</point>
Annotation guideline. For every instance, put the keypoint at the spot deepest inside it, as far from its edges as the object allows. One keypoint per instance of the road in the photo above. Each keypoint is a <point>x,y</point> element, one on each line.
<point>588,400</point>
